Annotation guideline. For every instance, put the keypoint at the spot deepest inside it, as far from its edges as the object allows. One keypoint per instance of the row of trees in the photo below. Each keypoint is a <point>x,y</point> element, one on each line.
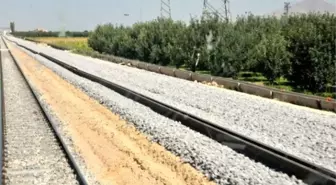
<point>300,48</point>
<point>50,34</point>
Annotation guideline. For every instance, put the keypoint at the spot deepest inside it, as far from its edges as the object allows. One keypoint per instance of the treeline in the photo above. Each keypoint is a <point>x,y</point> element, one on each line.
<point>300,48</point>
<point>51,34</point>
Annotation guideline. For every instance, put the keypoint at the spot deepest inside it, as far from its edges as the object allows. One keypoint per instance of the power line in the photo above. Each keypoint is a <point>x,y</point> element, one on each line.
<point>227,10</point>
<point>286,8</point>
<point>165,9</point>
<point>222,12</point>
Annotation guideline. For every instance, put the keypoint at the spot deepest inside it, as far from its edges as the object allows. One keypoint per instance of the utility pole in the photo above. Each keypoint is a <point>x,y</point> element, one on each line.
<point>165,9</point>
<point>286,8</point>
<point>222,12</point>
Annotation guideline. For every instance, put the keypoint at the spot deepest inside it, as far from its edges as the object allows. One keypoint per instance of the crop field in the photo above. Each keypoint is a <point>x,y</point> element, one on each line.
<point>76,44</point>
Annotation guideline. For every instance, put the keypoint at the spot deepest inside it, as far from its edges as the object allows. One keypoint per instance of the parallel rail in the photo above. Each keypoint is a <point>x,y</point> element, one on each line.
<point>269,156</point>
<point>2,119</point>
<point>52,123</point>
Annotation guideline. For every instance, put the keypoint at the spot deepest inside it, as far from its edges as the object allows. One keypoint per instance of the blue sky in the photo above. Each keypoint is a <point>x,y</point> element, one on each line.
<point>86,14</point>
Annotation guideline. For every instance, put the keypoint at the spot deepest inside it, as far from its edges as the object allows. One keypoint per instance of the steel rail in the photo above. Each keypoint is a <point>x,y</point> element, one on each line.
<point>52,123</point>
<point>269,156</point>
<point>2,121</point>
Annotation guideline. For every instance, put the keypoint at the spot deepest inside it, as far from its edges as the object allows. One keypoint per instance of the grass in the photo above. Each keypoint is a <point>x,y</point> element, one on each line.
<point>259,79</point>
<point>184,68</point>
<point>80,45</point>
<point>282,84</point>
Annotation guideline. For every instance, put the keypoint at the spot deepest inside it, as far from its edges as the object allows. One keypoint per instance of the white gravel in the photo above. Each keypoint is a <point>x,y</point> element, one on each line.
<point>216,161</point>
<point>307,134</point>
<point>31,152</point>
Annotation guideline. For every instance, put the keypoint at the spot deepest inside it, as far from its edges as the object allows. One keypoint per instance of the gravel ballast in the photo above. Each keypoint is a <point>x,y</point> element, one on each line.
<point>216,161</point>
<point>307,134</point>
<point>31,152</point>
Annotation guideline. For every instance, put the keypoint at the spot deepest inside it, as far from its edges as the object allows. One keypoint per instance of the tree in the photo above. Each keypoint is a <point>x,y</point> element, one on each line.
<point>312,45</point>
<point>272,57</point>
<point>300,48</point>
<point>12,27</point>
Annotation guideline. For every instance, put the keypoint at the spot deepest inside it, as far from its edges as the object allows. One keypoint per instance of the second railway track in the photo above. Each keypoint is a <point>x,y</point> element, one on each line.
<point>33,152</point>
<point>309,173</point>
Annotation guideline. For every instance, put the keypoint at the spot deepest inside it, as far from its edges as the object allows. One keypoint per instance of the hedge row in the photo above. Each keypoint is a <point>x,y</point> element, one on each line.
<point>300,48</point>
<point>51,34</point>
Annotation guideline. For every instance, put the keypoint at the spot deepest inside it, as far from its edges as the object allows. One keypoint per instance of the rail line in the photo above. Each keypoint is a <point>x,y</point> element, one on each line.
<point>2,120</point>
<point>269,156</point>
<point>51,122</point>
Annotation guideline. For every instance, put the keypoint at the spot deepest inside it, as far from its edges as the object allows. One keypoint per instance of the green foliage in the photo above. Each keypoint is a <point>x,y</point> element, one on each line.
<point>77,33</point>
<point>35,34</point>
<point>300,48</point>
<point>312,45</point>
<point>270,56</point>
<point>12,26</point>
<point>50,34</point>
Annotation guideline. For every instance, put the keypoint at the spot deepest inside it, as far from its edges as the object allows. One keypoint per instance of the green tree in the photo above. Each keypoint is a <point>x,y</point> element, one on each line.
<point>271,56</point>
<point>12,27</point>
<point>299,47</point>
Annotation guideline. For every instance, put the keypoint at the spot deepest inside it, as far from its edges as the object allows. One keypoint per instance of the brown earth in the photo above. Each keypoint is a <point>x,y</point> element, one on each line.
<point>114,151</point>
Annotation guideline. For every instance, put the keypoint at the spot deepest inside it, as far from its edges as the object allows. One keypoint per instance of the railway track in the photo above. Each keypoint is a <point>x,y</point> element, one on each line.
<point>33,151</point>
<point>278,160</point>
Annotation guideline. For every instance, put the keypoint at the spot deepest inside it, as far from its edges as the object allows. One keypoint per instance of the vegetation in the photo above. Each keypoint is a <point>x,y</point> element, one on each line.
<point>299,49</point>
<point>50,34</point>
<point>76,44</point>
<point>295,53</point>
<point>12,26</point>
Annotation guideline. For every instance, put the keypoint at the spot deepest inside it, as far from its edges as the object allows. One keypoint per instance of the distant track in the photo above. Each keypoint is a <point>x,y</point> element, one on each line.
<point>278,160</point>
<point>2,120</point>
<point>52,134</point>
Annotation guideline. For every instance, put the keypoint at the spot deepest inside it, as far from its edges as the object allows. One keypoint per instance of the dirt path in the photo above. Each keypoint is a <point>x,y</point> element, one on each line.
<point>114,151</point>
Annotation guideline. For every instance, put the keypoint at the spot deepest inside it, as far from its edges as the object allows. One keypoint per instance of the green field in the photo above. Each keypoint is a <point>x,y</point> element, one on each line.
<point>75,44</point>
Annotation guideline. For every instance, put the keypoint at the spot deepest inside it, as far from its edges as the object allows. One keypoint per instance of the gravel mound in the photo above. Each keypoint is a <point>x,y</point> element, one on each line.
<point>217,162</point>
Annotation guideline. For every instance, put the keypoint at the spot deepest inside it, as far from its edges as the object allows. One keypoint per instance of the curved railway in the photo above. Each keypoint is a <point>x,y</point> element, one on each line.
<point>272,157</point>
<point>32,149</point>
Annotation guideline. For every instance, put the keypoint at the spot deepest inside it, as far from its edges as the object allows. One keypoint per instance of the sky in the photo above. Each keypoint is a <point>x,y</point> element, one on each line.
<point>79,15</point>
